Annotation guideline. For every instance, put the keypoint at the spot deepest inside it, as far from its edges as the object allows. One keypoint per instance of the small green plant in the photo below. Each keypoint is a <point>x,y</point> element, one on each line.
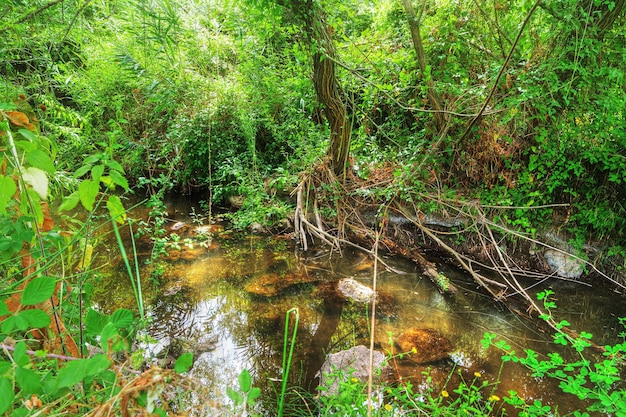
<point>594,381</point>
<point>246,396</point>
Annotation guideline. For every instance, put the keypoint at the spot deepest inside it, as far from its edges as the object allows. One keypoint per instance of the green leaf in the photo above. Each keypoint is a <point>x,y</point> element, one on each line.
<point>122,318</point>
<point>235,396</point>
<point>96,173</point>
<point>6,394</point>
<point>70,202</point>
<point>87,192</point>
<point>245,381</point>
<point>7,106</point>
<point>40,159</point>
<point>5,366</point>
<point>35,319</point>
<point>7,191</point>
<point>118,178</point>
<point>19,354</point>
<point>95,322</point>
<point>97,364</point>
<point>254,393</point>
<point>28,381</point>
<point>27,134</point>
<point>39,289</point>
<point>25,145</point>
<point>114,165</point>
<point>72,373</point>
<point>116,209</point>
<point>183,363</point>
<point>82,171</point>
<point>92,159</point>
<point>4,309</point>
<point>8,324</point>
<point>111,340</point>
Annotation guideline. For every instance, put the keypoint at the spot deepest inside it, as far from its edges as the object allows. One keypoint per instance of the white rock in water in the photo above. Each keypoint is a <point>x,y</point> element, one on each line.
<point>563,264</point>
<point>354,290</point>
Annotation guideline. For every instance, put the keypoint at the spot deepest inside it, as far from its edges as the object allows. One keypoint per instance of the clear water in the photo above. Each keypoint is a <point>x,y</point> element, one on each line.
<point>203,300</point>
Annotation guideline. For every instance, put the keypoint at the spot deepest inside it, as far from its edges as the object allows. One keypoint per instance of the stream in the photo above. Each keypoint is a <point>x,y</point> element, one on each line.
<point>225,297</point>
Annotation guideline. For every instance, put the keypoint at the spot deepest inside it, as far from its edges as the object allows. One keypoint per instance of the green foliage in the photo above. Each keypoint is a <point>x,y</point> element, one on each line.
<point>30,375</point>
<point>246,396</point>
<point>596,381</point>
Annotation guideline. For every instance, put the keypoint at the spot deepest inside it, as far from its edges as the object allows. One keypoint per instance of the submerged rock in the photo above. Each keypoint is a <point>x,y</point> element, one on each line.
<point>351,363</point>
<point>424,345</point>
<point>352,289</point>
<point>272,284</point>
<point>563,264</point>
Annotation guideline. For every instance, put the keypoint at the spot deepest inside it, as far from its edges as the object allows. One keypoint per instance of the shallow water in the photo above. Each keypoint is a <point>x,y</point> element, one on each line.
<point>206,300</point>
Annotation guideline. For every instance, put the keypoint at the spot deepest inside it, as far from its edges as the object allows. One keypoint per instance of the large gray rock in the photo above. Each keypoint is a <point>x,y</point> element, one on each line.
<point>348,364</point>
<point>563,264</point>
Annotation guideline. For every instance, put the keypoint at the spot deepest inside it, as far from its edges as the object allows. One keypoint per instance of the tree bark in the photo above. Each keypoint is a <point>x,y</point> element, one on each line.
<point>329,93</point>
<point>433,97</point>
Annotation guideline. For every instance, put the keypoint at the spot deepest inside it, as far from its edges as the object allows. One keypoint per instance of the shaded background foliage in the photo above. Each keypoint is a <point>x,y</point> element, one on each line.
<point>220,96</point>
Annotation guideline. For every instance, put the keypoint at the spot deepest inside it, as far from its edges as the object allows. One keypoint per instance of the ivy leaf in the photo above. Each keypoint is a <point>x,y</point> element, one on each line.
<point>39,289</point>
<point>183,363</point>
<point>116,209</point>
<point>6,394</point>
<point>87,192</point>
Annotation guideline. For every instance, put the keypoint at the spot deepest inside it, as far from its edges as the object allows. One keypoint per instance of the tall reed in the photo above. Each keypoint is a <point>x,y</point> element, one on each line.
<point>286,366</point>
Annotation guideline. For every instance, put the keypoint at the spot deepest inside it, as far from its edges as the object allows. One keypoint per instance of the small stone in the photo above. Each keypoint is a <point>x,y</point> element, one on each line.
<point>563,264</point>
<point>352,289</point>
<point>177,226</point>
<point>351,363</point>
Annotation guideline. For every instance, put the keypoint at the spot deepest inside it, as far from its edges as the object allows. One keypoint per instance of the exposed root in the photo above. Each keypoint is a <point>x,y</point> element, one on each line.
<point>356,213</point>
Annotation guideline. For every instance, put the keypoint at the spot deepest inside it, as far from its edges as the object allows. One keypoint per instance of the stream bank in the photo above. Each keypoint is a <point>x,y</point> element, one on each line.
<point>225,296</point>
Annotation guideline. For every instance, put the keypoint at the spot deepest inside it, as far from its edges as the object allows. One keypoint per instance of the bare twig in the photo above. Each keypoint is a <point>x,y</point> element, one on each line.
<point>506,63</point>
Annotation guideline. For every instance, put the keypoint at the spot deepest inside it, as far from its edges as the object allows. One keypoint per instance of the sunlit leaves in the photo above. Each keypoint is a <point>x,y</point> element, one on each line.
<point>24,320</point>
<point>38,179</point>
<point>183,363</point>
<point>7,191</point>
<point>116,209</point>
<point>87,192</point>
<point>6,394</point>
<point>38,290</point>
<point>41,160</point>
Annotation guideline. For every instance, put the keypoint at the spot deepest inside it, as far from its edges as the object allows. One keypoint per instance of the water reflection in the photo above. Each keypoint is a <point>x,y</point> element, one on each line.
<point>204,303</point>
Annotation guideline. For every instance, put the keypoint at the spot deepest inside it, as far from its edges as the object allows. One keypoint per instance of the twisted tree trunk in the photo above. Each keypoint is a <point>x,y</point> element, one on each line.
<point>330,95</point>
